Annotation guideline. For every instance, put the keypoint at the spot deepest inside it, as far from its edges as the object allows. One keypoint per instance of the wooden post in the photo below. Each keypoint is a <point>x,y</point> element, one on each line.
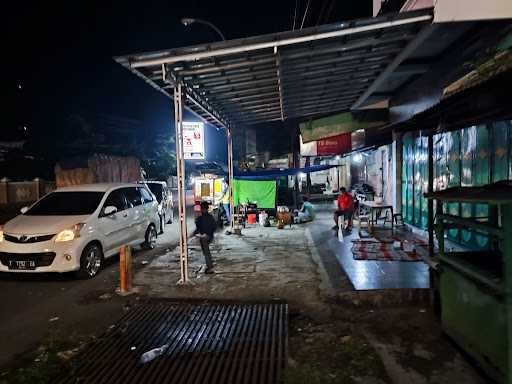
<point>125,269</point>
<point>129,269</point>
<point>4,191</point>
<point>122,270</point>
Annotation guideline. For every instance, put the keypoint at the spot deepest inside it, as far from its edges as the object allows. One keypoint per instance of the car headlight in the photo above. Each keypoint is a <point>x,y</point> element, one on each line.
<point>69,234</point>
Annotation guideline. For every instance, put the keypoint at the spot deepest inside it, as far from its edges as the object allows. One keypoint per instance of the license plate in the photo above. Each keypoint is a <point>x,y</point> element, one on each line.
<point>22,264</point>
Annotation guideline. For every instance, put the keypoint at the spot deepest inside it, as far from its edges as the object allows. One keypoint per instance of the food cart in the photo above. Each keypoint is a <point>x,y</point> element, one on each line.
<point>210,188</point>
<point>475,286</point>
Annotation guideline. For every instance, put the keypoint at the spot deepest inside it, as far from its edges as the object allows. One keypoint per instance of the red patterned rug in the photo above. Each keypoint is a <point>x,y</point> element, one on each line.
<point>373,249</point>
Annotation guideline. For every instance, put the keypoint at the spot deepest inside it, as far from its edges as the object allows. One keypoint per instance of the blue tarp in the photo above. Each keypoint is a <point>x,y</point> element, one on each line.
<point>273,174</point>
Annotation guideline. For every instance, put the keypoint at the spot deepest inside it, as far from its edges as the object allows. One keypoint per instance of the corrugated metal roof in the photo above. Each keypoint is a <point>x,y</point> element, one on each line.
<point>293,74</point>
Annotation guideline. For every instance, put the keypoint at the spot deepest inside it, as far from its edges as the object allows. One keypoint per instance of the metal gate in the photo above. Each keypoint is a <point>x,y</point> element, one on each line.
<point>201,343</point>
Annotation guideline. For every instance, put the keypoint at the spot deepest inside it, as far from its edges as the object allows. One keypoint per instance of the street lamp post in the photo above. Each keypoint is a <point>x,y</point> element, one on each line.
<point>187,21</point>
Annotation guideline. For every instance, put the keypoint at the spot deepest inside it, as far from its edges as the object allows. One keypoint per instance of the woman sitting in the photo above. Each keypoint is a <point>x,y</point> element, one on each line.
<point>306,212</point>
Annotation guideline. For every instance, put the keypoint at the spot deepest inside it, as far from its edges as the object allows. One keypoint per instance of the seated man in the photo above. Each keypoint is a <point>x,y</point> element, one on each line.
<point>307,211</point>
<point>345,208</point>
<point>205,227</point>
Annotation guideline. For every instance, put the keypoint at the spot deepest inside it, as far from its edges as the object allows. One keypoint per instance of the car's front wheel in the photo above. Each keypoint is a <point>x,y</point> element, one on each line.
<point>90,261</point>
<point>150,238</point>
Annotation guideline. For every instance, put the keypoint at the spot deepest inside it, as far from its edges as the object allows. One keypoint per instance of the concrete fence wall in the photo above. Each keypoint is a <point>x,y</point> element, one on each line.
<point>23,191</point>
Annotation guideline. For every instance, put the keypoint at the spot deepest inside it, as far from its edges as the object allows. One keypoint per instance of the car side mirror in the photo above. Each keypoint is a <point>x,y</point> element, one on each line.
<point>109,210</point>
<point>23,210</point>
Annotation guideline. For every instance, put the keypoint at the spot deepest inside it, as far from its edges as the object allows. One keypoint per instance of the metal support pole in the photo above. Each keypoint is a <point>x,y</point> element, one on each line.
<point>430,189</point>
<point>180,170</point>
<point>230,176</point>
<point>338,170</point>
<point>506,220</point>
<point>308,176</point>
<point>397,171</point>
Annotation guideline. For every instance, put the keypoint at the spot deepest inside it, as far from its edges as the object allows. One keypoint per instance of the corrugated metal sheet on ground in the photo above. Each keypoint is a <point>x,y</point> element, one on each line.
<point>206,343</point>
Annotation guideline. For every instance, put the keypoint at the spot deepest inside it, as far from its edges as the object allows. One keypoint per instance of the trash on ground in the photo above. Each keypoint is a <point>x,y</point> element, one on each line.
<point>345,339</point>
<point>148,356</point>
<point>53,319</point>
<point>144,262</point>
<point>67,355</point>
<point>292,363</point>
<point>106,296</point>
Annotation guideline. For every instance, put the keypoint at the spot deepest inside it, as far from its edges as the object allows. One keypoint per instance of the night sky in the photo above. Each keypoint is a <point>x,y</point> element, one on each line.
<point>61,55</point>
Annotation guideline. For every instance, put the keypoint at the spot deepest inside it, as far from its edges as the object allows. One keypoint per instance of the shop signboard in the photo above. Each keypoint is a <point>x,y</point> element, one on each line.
<point>334,145</point>
<point>193,140</point>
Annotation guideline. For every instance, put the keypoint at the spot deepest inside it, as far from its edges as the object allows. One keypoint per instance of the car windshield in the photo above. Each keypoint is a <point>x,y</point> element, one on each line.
<point>66,203</point>
<point>157,190</point>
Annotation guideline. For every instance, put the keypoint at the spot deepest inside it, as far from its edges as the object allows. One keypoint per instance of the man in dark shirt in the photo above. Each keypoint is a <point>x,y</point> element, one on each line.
<point>205,228</point>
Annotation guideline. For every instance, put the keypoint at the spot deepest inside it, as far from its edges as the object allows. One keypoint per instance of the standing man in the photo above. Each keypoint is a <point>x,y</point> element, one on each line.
<point>205,228</point>
<point>345,208</point>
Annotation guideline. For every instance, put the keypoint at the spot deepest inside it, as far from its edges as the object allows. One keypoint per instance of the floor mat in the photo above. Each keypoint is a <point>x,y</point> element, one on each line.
<point>373,249</point>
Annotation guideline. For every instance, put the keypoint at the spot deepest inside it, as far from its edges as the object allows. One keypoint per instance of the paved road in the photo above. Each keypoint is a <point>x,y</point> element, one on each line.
<point>28,302</point>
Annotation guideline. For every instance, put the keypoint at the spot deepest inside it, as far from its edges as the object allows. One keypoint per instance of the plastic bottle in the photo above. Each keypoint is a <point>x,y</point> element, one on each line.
<point>153,354</point>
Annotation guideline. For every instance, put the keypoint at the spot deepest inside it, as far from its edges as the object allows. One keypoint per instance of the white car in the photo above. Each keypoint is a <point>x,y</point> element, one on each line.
<point>165,201</point>
<point>75,228</point>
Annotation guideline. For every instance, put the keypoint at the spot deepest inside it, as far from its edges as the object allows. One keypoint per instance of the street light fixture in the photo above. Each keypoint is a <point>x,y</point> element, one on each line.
<point>187,21</point>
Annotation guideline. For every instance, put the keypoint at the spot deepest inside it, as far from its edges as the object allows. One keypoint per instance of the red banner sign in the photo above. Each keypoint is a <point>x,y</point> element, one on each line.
<point>335,145</point>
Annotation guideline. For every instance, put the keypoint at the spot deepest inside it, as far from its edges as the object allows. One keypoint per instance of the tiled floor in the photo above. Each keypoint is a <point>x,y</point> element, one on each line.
<point>368,275</point>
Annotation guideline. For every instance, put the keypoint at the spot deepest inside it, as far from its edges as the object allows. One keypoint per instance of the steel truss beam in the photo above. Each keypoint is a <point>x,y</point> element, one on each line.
<point>243,74</point>
<point>422,36</point>
<point>345,46</point>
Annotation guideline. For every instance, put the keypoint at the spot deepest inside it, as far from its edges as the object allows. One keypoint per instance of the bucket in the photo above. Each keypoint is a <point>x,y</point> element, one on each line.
<point>251,218</point>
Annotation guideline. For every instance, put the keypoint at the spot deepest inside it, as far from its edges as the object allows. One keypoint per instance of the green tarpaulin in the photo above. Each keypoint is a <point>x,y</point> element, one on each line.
<point>263,193</point>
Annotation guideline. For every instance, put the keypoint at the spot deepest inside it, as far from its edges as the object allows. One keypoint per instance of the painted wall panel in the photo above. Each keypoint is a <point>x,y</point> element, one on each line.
<point>500,154</point>
<point>453,178</point>
<point>465,10</point>
<point>471,156</point>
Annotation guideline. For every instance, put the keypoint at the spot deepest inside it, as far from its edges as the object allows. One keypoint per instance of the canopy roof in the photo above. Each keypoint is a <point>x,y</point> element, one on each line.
<point>308,72</point>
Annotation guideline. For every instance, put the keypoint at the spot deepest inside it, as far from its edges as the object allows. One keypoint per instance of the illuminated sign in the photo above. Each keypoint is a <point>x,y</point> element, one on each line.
<point>193,140</point>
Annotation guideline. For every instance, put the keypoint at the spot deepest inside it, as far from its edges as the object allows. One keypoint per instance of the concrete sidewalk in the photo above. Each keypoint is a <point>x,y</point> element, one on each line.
<point>263,264</point>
